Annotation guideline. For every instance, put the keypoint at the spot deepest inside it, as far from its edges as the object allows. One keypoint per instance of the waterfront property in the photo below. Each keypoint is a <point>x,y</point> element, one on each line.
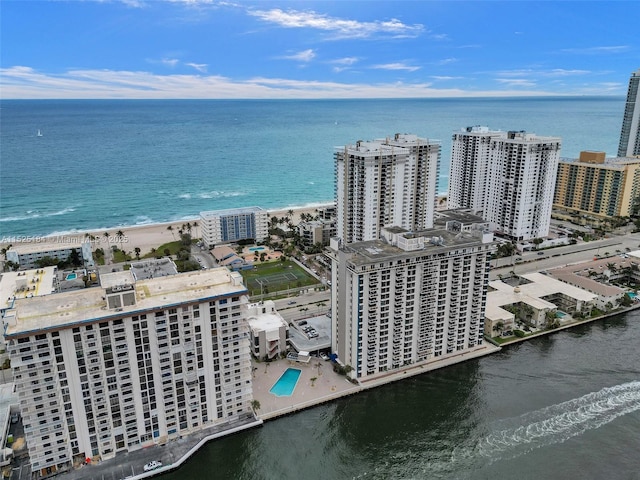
<point>630,132</point>
<point>268,332</point>
<point>129,365</point>
<point>386,182</point>
<point>27,255</point>
<point>226,226</point>
<point>596,186</point>
<point>508,176</point>
<point>409,297</point>
<point>529,301</point>
<point>286,384</point>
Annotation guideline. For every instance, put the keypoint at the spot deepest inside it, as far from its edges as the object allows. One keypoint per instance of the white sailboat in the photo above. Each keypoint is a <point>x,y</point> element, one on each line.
<point>39,133</point>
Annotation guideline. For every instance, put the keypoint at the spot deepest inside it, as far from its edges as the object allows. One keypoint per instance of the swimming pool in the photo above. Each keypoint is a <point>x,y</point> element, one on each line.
<point>632,295</point>
<point>71,276</point>
<point>286,383</point>
<point>560,314</point>
<point>256,249</point>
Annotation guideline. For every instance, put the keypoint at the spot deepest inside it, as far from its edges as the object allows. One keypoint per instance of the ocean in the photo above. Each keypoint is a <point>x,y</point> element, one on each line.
<point>78,165</point>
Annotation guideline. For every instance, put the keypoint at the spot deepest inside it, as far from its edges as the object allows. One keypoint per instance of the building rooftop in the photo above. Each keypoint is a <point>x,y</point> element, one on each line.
<point>437,240</point>
<point>26,284</point>
<point>89,305</point>
<point>160,267</point>
<point>36,247</point>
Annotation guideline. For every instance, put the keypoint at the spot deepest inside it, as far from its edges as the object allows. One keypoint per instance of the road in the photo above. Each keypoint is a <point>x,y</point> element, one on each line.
<point>569,254</point>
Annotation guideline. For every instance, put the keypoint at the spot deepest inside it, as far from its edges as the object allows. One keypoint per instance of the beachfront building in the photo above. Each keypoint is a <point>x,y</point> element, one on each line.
<point>596,186</point>
<point>268,331</point>
<point>129,365</point>
<point>630,133</point>
<point>27,255</point>
<point>316,232</point>
<point>507,176</point>
<point>227,226</point>
<point>387,182</point>
<point>408,298</point>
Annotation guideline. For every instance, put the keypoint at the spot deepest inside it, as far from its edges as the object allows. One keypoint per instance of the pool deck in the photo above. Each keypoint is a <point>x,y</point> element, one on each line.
<point>330,386</point>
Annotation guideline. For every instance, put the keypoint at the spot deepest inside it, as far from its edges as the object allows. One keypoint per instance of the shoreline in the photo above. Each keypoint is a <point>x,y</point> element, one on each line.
<point>145,236</point>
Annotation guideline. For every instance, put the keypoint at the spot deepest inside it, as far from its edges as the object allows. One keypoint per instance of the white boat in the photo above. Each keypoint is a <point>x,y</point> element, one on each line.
<point>39,133</point>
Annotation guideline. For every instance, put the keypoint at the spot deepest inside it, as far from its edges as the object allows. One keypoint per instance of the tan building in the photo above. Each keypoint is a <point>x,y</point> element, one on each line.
<point>597,186</point>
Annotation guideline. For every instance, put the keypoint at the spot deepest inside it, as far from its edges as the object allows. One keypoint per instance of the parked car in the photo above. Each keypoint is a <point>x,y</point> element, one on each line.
<point>152,465</point>
<point>14,418</point>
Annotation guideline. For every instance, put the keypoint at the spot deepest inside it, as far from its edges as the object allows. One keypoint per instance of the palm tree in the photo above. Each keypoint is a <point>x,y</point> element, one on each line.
<point>170,228</point>
<point>313,380</point>
<point>137,250</point>
<point>120,235</point>
<point>320,305</point>
<point>255,405</point>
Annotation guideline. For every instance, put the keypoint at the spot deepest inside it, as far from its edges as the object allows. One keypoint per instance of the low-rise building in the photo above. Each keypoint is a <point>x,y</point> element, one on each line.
<point>27,255</point>
<point>268,331</point>
<point>530,300</point>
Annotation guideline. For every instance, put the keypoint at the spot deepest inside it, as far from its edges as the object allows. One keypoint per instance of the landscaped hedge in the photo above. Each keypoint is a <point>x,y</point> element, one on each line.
<point>519,333</point>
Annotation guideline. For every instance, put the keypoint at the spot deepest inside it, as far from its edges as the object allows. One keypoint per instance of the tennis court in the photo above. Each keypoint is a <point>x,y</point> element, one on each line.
<point>275,276</point>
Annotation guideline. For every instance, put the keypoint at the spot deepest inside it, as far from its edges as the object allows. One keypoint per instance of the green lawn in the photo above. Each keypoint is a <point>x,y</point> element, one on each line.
<point>272,277</point>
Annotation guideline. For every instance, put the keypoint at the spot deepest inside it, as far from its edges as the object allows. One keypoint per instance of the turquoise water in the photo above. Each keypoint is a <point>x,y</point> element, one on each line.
<point>560,314</point>
<point>286,384</point>
<point>632,295</point>
<point>72,276</point>
<point>256,249</point>
<point>176,158</point>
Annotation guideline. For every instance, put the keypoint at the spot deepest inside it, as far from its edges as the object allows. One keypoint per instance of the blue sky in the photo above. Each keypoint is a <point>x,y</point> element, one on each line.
<point>310,49</point>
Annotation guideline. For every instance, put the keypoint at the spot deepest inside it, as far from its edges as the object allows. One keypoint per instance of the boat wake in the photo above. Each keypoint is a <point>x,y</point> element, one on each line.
<point>514,437</point>
<point>558,423</point>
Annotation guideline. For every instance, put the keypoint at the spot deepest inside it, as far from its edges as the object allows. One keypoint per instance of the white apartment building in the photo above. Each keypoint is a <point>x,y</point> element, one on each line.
<point>508,176</point>
<point>409,297</point>
<point>129,364</point>
<point>268,331</point>
<point>27,254</point>
<point>630,133</point>
<point>225,226</point>
<point>387,182</point>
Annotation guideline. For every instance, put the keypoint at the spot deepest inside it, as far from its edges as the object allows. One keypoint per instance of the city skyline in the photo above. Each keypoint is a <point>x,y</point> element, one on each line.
<point>209,49</point>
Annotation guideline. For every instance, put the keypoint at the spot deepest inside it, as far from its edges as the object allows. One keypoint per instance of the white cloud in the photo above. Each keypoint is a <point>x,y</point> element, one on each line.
<point>396,66</point>
<point>339,27</point>
<point>303,56</point>
<point>597,50</point>
<point>201,67</point>
<point>516,82</point>
<point>170,62</point>
<point>25,82</point>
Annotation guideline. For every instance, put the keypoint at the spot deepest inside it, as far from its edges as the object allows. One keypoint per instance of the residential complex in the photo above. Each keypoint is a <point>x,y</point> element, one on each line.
<point>388,182</point>
<point>508,176</point>
<point>409,297</point>
<point>129,365</point>
<point>226,226</point>
<point>27,255</point>
<point>596,186</point>
<point>630,133</point>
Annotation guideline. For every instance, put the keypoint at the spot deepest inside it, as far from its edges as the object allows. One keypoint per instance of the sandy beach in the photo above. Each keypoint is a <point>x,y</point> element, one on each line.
<point>144,237</point>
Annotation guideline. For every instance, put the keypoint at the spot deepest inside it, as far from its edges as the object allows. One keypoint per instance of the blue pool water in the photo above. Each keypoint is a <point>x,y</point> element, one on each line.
<point>286,383</point>
<point>256,249</point>
<point>632,295</point>
<point>72,276</point>
<point>560,314</point>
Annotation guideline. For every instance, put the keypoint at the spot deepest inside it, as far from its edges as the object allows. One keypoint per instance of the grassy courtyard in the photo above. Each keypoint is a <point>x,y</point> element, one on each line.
<point>272,277</point>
